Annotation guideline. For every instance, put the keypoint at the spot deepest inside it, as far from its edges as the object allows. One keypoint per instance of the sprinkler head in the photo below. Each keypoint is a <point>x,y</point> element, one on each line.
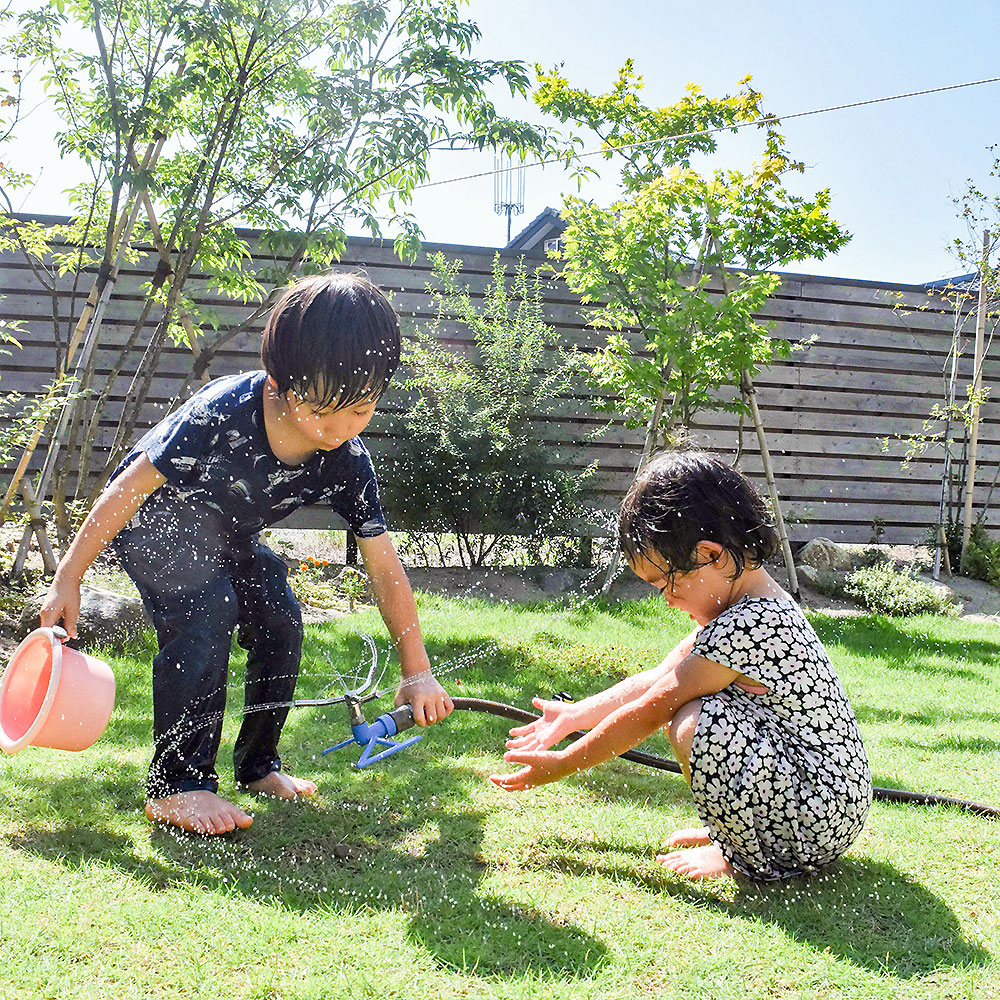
<point>377,734</point>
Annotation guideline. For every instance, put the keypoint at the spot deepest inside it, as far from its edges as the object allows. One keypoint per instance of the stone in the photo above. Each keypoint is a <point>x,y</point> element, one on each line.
<point>106,619</point>
<point>556,581</point>
<point>807,576</point>
<point>823,554</point>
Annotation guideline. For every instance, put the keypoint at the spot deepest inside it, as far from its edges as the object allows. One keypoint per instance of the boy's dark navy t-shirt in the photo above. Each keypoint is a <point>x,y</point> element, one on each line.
<point>214,450</point>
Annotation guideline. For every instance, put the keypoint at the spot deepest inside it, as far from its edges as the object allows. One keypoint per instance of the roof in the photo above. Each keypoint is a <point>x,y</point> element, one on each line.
<point>959,279</point>
<point>546,225</point>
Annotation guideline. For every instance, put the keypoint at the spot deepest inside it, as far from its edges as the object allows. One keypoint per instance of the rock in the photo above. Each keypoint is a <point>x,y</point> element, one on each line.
<point>106,619</point>
<point>556,581</point>
<point>822,554</point>
<point>807,576</point>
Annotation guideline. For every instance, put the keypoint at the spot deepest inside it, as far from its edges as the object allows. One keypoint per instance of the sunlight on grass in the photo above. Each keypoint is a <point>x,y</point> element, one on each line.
<point>419,878</point>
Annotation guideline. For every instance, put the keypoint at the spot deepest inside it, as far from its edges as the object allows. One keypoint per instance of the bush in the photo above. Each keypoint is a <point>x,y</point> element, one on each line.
<point>953,537</point>
<point>886,590</point>
<point>829,583</point>
<point>872,555</point>
<point>982,560</point>
<point>469,462</point>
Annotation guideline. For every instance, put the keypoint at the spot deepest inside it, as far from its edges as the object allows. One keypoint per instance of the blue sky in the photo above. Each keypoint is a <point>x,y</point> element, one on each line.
<point>892,168</point>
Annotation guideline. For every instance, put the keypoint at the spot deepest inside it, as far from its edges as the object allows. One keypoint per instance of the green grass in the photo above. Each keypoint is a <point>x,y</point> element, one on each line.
<point>418,878</point>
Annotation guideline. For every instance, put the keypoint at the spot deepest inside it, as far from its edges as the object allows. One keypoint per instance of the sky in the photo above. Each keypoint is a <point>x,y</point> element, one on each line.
<point>892,169</point>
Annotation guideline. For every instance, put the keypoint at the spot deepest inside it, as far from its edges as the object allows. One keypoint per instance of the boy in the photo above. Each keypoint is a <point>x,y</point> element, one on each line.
<point>184,508</point>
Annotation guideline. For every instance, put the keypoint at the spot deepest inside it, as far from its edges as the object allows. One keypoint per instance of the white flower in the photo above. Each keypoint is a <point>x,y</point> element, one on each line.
<point>741,640</point>
<point>775,646</point>
<point>742,618</point>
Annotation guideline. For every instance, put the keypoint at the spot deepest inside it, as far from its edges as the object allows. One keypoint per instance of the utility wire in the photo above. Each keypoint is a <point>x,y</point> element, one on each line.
<point>765,120</point>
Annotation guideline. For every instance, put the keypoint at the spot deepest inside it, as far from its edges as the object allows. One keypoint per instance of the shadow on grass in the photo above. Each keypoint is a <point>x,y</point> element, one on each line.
<point>903,649</point>
<point>400,837</point>
<point>866,912</point>
<point>936,715</point>
<point>952,744</point>
<point>402,841</point>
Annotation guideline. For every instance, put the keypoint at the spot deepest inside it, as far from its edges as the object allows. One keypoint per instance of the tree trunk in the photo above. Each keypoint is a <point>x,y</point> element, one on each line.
<point>977,381</point>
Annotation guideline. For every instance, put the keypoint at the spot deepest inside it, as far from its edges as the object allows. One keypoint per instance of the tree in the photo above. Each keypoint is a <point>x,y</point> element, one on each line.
<point>296,117</point>
<point>468,461</point>
<point>952,421</point>
<point>654,258</point>
<point>22,417</point>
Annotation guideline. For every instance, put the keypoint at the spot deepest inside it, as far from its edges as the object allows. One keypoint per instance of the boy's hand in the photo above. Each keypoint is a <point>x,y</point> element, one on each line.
<point>540,768</point>
<point>556,723</point>
<point>429,701</point>
<point>62,601</point>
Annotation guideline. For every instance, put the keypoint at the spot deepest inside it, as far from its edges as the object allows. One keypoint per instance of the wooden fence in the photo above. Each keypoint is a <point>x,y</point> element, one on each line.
<point>868,371</point>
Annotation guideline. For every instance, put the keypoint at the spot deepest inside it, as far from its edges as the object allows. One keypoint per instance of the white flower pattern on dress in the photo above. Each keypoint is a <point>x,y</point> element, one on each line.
<point>781,779</point>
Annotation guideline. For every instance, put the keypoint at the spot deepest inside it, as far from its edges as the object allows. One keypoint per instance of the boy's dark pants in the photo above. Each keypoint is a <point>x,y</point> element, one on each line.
<point>198,580</point>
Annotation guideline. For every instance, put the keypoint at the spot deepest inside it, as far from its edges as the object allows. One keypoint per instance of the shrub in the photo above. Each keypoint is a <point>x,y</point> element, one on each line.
<point>886,590</point>
<point>982,560</point>
<point>469,462</point>
<point>953,538</point>
<point>311,584</point>
<point>871,555</point>
<point>829,584</point>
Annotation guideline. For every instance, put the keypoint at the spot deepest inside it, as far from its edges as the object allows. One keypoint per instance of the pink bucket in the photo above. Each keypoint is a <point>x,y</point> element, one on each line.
<point>53,696</point>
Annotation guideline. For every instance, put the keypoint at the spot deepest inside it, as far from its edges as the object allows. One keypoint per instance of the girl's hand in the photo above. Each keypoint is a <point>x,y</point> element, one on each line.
<point>429,701</point>
<point>540,768</point>
<point>62,601</point>
<point>556,723</point>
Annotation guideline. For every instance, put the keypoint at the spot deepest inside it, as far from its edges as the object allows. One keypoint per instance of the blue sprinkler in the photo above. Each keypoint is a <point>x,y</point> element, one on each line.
<point>378,733</point>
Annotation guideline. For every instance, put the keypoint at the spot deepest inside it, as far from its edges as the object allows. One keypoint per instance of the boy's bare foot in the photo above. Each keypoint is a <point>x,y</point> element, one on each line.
<point>699,862</point>
<point>199,811</point>
<point>690,837</point>
<point>278,785</point>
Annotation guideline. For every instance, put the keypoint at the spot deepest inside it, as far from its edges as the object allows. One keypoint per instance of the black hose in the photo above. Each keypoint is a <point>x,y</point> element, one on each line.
<point>519,715</point>
<point>665,764</point>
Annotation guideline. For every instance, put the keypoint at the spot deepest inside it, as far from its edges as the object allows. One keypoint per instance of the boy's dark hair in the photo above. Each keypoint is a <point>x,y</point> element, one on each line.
<point>333,338</point>
<point>682,498</point>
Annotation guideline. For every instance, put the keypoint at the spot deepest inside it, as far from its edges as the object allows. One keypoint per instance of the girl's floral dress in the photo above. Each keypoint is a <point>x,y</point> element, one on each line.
<point>780,779</point>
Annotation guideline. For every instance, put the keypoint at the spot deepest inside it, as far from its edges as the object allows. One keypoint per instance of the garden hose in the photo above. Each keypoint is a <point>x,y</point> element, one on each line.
<point>665,764</point>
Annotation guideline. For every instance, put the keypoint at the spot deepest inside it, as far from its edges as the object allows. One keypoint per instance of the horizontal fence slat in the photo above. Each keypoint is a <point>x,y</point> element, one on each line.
<point>871,373</point>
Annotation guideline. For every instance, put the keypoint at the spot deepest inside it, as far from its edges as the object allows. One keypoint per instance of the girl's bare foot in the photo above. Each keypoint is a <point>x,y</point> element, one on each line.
<point>690,837</point>
<point>699,862</point>
<point>278,785</point>
<point>199,811</point>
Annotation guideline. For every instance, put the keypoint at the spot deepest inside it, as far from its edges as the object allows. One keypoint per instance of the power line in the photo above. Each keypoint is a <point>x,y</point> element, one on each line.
<point>767,119</point>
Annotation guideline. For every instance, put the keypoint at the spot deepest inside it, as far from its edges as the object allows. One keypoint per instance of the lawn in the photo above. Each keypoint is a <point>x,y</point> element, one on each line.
<point>418,878</point>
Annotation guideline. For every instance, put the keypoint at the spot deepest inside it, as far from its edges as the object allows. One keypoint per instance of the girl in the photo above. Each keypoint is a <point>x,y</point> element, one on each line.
<point>756,715</point>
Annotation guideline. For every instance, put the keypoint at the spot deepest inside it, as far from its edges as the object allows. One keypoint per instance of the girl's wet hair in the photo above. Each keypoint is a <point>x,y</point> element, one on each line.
<point>683,498</point>
<point>333,339</point>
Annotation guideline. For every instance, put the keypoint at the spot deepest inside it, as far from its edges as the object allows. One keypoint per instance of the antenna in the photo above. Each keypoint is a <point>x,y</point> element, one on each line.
<point>508,187</point>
